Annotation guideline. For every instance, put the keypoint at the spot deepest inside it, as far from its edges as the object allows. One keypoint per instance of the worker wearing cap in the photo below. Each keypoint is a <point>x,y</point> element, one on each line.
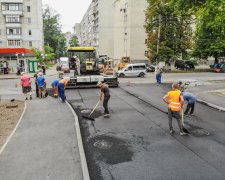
<point>190,99</point>
<point>61,88</point>
<point>55,88</point>
<point>175,102</point>
<point>26,85</point>
<point>105,96</point>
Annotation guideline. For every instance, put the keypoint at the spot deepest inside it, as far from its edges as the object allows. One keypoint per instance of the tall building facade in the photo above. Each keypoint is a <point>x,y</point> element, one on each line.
<point>96,27</point>
<point>129,34</point>
<point>116,29</point>
<point>21,23</point>
<point>21,28</point>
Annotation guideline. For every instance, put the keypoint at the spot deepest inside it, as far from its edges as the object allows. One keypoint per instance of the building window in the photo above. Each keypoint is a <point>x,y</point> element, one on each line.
<point>29,32</point>
<point>28,9</point>
<point>146,41</point>
<point>29,20</point>
<point>14,43</point>
<point>146,53</point>
<point>12,19</point>
<point>12,7</point>
<point>13,31</point>
<point>30,43</point>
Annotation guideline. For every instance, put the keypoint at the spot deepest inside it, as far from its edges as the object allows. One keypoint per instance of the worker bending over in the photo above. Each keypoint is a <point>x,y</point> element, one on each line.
<point>190,99</point>
<point>55,88</point>
<point>61,88</point>
<point>175,102</point>
<point>105,96</point>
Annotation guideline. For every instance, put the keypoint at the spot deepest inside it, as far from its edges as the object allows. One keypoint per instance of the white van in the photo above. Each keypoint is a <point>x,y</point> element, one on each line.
<point>131,70</point>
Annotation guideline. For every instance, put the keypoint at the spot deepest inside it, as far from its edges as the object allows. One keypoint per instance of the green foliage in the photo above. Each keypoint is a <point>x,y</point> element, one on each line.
<point>174,38</point>
<point>53,36</point>
<point>210,34</point>
<point>45,55</point>
<point>73,41</point>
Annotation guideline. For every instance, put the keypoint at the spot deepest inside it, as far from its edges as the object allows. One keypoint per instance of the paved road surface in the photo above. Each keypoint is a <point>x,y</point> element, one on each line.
<point>135,142</point>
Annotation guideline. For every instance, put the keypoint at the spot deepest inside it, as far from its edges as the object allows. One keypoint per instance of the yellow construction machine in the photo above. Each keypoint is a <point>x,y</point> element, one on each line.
<point>124,62</point>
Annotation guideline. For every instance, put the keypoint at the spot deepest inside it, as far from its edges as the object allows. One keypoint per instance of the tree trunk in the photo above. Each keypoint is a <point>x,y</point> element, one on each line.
<point>216,59</point>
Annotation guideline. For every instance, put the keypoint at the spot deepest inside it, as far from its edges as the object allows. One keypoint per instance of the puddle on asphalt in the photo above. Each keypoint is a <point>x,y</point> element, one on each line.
<point>112,150</point>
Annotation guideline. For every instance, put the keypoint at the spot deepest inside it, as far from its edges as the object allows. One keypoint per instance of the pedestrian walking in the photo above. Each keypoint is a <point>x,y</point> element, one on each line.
<point>159,75</point>
<point>55,88</point>
<point>104,96</point>
<point>18,69</point>
<point>25,82</point>
<point>61,88</point>
<point>175,102</point>
<point>43,66</point>
<point>41,85</point>
<point>190,99</point>
<point>36,84</point>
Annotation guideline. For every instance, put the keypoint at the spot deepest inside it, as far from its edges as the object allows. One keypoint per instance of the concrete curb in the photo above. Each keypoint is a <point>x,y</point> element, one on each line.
<point>84,166</point>
<point>14,130</point>
<point>211,105</point>
<point>18,77</point>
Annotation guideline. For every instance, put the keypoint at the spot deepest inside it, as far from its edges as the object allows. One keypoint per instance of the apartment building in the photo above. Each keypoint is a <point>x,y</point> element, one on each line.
<point>129,34</point>
<point>21,29</point>
<point>96,27</point>
<point>116,29</point>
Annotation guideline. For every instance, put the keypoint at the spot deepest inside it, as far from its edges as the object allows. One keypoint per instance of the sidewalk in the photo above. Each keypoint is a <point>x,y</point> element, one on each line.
<point>213,99</point>
<point>49,72</point>
<point>44,146</point>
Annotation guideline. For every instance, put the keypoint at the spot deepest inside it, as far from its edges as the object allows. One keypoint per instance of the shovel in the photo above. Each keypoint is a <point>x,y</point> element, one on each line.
<point>89,116</point>
<point>182,119</point>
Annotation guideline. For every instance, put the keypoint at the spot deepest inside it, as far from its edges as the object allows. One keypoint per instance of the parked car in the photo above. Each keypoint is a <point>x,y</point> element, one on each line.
<point>184,64</point>
<point>138,70</point>
<point>150,68</point>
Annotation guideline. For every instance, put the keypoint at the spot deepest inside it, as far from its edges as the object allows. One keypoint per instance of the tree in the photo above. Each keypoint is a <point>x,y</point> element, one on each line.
<point>53,35</point>
<point>169,31</point>
<point>210,34</point>
<point>74,41</point>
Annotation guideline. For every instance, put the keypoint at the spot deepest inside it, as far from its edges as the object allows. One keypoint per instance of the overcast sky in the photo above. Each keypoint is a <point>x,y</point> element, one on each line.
<point>71,11</point>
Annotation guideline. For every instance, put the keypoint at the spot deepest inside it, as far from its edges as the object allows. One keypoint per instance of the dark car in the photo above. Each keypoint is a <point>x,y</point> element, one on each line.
<point>150,68</point>
<point>184,64</point>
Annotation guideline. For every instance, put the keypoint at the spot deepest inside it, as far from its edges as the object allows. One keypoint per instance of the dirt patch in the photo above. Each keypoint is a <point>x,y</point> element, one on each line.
<point>10,113</point>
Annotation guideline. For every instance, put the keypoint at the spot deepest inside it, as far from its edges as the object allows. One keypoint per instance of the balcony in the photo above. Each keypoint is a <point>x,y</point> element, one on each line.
<point>12,1</point>
<point>13,25</point>
<point>8,12</point>
<point>14,36</point>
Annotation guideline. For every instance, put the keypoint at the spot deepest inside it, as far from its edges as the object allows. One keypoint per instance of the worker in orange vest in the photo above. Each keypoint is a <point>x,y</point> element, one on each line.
<point>175,102</point>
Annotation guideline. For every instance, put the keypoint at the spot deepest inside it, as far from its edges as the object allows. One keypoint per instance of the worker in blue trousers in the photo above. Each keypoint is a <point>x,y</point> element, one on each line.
<point>61,88</point>
<point>190,99</point>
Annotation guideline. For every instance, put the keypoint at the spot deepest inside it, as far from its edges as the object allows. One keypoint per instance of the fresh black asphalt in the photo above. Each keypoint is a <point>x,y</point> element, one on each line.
<point>134,143</point>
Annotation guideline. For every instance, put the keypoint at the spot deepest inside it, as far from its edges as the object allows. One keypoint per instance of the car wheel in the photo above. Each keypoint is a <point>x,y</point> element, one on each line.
<point>122,75</point>
<point>141,74</point>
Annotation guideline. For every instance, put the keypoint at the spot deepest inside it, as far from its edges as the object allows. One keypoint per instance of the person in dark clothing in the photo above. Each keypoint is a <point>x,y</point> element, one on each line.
<point>105,93</point>
<point>191,99</point>
<point>43,66</point>
<point>36,85</point>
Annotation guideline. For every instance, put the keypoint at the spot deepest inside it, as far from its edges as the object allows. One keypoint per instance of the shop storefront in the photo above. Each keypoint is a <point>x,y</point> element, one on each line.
<point>15,60</point>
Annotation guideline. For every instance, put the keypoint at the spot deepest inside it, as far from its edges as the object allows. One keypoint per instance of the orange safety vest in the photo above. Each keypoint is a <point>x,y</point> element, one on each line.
<point>174,97</point>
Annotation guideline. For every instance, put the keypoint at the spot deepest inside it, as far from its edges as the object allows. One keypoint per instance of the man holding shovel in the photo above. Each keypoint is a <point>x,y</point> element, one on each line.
<point>175,102</point>
<point>105,96</point>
